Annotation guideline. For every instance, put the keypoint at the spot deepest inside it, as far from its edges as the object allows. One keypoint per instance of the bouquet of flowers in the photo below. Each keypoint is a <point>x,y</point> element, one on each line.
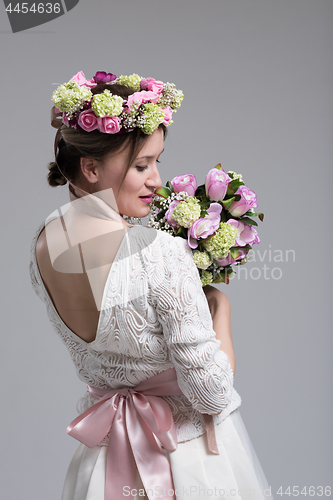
<point>215,219</point>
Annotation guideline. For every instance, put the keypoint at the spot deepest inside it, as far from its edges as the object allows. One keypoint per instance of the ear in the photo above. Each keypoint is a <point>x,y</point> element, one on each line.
<point>89,168</point>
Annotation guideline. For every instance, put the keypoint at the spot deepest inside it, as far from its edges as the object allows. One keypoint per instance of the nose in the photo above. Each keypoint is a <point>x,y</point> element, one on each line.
<point>154,180</point>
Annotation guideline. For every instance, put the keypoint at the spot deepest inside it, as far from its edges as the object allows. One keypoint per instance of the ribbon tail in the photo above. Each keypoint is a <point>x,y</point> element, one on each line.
<point>211,437</point>
<point>151,461</point>
<point>120,463</point>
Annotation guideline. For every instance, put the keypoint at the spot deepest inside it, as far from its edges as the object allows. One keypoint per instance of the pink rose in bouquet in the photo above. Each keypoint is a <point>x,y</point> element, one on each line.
<point>216,184</point>
<point>186,182</point>
<point>248,200</point>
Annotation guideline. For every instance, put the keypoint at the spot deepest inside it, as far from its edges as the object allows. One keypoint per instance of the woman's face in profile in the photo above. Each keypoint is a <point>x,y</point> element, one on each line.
<point>141,180</point>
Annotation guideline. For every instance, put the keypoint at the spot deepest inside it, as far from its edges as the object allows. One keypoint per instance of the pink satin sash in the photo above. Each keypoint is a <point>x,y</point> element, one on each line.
<point>140,422</point>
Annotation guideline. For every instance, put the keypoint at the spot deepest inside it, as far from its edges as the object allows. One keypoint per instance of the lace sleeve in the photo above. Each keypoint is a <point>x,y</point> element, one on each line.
<point>203,371</point>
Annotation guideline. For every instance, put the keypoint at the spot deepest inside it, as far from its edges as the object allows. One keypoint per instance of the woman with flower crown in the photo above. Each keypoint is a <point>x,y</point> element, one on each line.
<point>160,416</point>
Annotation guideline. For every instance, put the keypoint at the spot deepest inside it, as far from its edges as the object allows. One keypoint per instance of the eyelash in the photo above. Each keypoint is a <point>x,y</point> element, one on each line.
<point>141,169</point>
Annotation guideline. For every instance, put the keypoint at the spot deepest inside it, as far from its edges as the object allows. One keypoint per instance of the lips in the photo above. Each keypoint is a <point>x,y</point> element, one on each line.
<point>148,197</point>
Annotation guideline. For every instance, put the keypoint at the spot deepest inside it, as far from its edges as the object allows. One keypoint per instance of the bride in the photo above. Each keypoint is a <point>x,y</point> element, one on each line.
<point>160,418</point>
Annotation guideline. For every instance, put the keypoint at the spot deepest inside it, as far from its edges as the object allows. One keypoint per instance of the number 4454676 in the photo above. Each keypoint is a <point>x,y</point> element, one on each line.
<point>35,8</point>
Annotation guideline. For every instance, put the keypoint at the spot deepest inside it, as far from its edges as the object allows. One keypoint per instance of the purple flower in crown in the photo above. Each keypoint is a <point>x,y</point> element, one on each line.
<point>73,122</point>
<point>103,77</point>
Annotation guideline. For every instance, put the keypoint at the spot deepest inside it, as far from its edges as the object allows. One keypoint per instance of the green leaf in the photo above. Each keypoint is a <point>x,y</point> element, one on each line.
<point>235,184</point>
<point>219,166</point>
<point>200,191</point>
<point>170,186</point>
<point>160,216</point>
<point>235,251</point>
<point>164,192</point>
<point>261,216</point>
<point>224,216</point>
<point>248,221</point>
<point>203,213</point>
<point>227,203</point>
<point>223,277</point>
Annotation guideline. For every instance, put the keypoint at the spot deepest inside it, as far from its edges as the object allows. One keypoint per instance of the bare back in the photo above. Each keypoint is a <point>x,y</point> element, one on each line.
<point>77,296</point>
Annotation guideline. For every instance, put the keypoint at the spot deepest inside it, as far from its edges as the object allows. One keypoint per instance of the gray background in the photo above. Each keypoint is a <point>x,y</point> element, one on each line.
<point>257,79</point>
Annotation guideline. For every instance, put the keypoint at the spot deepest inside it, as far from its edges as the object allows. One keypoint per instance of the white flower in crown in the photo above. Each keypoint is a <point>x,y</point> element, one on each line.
<point>70,97</point>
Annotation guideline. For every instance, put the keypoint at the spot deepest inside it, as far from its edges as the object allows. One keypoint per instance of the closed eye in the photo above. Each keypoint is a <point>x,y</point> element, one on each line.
<point>141,169</point>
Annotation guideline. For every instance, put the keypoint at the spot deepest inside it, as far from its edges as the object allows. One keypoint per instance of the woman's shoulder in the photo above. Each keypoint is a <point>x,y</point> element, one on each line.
<point>161,241</point>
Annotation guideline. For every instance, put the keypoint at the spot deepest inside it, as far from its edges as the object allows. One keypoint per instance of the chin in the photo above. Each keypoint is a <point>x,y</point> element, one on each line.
<point>138,212</point>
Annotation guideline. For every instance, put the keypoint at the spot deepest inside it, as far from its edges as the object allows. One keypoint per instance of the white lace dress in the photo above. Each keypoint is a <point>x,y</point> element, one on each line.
<point>155,316</point>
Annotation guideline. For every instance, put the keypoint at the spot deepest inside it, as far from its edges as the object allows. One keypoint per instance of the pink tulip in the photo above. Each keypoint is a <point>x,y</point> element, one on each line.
<point>225,261</point>
<point>169,212</point>
<point>216,184</point>
<point>186,182</point>
<point>246,234</point>
<point>248,200</point>
<point>204,227</point>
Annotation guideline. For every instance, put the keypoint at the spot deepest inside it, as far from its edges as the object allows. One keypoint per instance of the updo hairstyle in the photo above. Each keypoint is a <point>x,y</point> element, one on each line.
<point>71,144</point>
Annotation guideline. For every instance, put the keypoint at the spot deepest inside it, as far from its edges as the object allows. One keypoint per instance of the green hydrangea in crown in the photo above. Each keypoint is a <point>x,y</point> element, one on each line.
<point>151,103</point>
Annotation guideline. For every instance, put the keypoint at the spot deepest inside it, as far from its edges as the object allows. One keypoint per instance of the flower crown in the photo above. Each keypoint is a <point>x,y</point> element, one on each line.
<point>151,104</point>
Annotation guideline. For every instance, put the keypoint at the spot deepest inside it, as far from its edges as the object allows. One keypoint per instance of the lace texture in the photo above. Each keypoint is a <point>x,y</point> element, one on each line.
<point>155,316</point>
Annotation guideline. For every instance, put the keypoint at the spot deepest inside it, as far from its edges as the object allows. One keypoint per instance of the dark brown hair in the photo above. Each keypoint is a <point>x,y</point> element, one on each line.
<point>72,144</point>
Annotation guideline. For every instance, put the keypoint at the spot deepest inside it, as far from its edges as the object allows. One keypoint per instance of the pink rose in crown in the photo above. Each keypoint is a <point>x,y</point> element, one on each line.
<point>248,200</point>
<point>169,212</point>
<point>230,260</point>
<point>186,182</point>
<point>167,115</point>
<point>152,84</point>
<point>88,120</point>
<point>142,97</point>
<point>109,125</point>
<point>202,228</point>
<point>80,79</point>
<point>246,234</point>
<point>216,184</point>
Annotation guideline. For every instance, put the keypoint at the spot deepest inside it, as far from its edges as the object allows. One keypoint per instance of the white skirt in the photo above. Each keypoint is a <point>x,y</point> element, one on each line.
<point>234,474</point>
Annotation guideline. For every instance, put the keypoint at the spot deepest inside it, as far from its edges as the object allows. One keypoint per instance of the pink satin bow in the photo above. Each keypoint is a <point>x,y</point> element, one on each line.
<point>135,417</point>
